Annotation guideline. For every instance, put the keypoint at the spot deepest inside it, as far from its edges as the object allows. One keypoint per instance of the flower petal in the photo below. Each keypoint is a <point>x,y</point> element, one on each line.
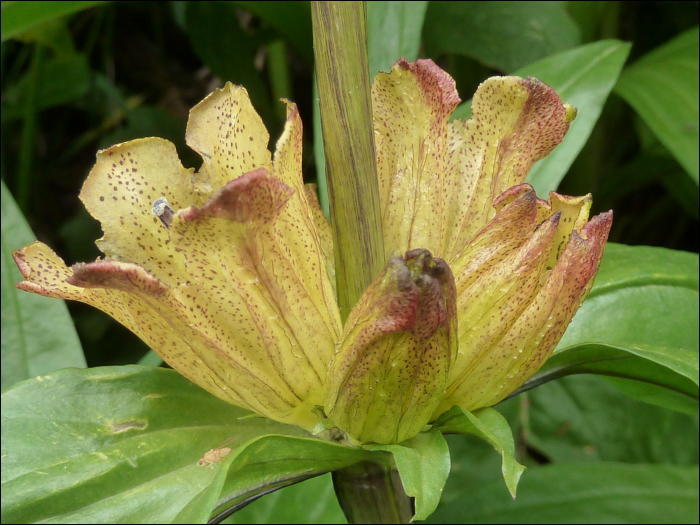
<point>574,216</point>
<point>514,223</point>
<point>438,180</point>
<point>391,369</point>
<point>247,289</point>
<point>120,191</point>
<point>46,274</point>
<point>515,122</point>
<point>497,295</point>
<point>411,107</point>
<point>228,133</point>
<point>532,338</point>
<point>325,233</point>
<point>301,233</point>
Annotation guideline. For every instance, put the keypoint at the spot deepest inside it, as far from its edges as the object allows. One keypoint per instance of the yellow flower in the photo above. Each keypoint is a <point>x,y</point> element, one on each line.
<point>228,272</point>
<point>521,266</point>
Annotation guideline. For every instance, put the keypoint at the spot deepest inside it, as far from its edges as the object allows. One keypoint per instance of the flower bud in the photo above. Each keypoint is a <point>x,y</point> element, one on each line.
<point>391,368</point>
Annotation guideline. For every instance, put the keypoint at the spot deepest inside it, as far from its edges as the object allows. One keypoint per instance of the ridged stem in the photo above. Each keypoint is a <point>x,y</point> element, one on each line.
<point>342,72</point>
<point>372,493</point>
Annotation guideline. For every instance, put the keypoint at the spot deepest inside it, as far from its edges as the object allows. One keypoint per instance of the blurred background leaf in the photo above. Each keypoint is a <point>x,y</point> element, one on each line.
<point>567,493</point>
<point>22,16</point>
<point>393,31</point>
<point>663,88</point>
<point>38,336</point>
<point>501,35</point>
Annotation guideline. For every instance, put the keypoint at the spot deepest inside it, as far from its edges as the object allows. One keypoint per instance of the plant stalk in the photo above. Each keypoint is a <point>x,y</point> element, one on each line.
<point>372,493</point>
<point>342,72</point>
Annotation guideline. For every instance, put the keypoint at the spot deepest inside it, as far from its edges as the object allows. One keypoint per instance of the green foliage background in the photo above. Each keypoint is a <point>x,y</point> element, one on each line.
<point>81,76</point>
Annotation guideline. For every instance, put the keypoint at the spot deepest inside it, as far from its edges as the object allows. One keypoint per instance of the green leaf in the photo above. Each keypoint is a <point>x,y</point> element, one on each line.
<point>663,88</point>
<point>53,34</point>
<point>38,335</point>
<point>393,31</point>
<point>503,35</point>
<point>276,461</point>
<point>583,77</point>
<point>312,501</point>
<point>492,427</point>
<point>640,321</point>
<point>675,369</point>
<point>21,16</point>
<point>585,419</point>
<point>61,80</point>
<point>423,463</point>
<point>291,19</point>
<point>122,444</point>
<point>578,493</point>
<point>150,359</point>
<point>641,295</point>
<point>220,42</point>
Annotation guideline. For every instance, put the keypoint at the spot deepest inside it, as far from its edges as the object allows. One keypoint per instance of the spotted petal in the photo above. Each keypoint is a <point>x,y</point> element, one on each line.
<point>230,286</point>
<point>438,179</point>
<point>391,368</point>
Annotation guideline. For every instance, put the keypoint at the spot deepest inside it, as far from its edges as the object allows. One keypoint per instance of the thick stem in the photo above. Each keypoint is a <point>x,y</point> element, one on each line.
<point>342,72</point>
<point>372,493</point>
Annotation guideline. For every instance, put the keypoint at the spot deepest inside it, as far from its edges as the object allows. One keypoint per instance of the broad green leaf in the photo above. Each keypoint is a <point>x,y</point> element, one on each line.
<point>122,444</point>
<point>312,501</point>
<point>150,359</point>
<point>663,88</point>
<point>21,16</point>
<point>675,369</point>
<point>38,335</point>
<point>423,463</point>
<point>654,394</point>
<point>640,321</point>
<point>642,296</point>
<point>393,31</point>
<point>492,427</point>
<point>585,419</point>
<point>583,77</point>
<point>503,35</point>
<point>291,19</point>
<point>574,493</point>
<point>287,460</point>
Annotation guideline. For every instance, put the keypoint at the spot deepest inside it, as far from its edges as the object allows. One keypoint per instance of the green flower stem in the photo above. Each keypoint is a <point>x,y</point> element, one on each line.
<point>372,493</point>
<point>342,72</point>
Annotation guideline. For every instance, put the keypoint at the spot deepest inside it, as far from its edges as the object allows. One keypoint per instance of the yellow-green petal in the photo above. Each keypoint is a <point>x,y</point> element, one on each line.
<point>120,191</point>
<point>411,107</point>
<point>438,180</point>
<point>325,233</point>
<point>531,339</point>
<point>46,274</point>
<point>515,122</point>
<point>496,297</point>
<point>391,368</point>
<point>230,136</point>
